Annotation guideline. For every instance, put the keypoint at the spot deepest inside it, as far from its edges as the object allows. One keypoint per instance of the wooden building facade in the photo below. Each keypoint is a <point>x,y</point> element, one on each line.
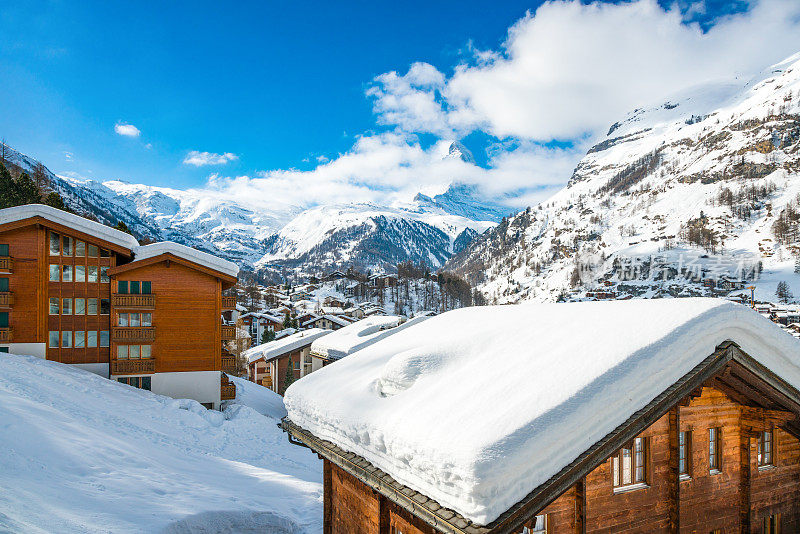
<point>81,293</point>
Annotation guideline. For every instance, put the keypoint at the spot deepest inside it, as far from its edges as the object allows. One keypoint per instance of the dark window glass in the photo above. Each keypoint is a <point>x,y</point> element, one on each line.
<point>105,307</point>
<point>146,383</point>
<point>5,349</point>
<point>134,287</point>
<point>122,286</point>
<point>104,253</point>
<point>3,319</point>
<point>146,290</point>
<point>3,284</point>
<point>122,380</point>
<point>4,250</point>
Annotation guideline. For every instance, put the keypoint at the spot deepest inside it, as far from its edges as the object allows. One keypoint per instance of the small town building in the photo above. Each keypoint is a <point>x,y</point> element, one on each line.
<point>268,363</point>
<point>258,323</point>
<point>359,335</point>
<point>672,415</point>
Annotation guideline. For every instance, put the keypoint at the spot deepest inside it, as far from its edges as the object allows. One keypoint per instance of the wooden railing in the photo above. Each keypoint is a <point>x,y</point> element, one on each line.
<point>133,334</point>
<point>7,264</point>
<point>133,367</point>
<point>227,391</point>
<point>266,382</point>
<point>139,302</point>
<point>228,363</point>
<point>6,299</point>
<point>228,303</point>
<point>228,332</point>
<point>5,335</point>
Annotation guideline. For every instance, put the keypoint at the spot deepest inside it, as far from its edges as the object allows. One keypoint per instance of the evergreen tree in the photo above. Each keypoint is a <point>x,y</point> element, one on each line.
<point>26,191</point>
<point>54,199</point>
<point>267,336</point>
<point>797,264</point>
<point>122,227</point>
<point>289,378</point>
<point>783,293</point>
<point>6,188</point>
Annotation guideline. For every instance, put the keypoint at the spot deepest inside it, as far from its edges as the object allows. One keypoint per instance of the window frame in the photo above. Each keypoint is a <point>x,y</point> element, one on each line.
<point>637,453</point>
<point>715,450</point>
<point>765,459</point>
<point>5,250</point>
<point>55,239</point>
<point>685,454</point>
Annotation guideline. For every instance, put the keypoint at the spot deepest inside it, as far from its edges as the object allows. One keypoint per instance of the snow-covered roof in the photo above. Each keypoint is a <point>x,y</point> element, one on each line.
<point>287,344</point>
<point>356,336</point>
<point>81,224</point>
<point>264,315</point>
<point>477,407</point>
<point>186,253</point>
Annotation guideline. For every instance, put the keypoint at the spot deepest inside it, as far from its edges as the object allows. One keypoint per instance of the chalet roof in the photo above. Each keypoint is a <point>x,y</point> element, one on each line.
<point>263,315</point>
<point>81,224</point>
<point>187,253</point>
<point>483,434</point>
<point>290,343</point>
<point>360,334</point>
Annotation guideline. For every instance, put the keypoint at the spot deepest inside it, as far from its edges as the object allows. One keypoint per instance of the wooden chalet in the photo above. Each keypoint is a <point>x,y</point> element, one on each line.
<point>268,363</point>
<point>81,293</point>
<point>695,429</point>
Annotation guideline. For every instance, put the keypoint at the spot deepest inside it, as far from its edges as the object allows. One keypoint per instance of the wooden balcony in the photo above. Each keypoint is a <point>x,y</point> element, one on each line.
<point>7,264</point>
<point>267,382</point>
<point>5,335</point>
<point>227,389</point>
<point>228,363</point>
<point>134,302</point>
<point>133,367</point>
<point>228,332</point>
<point>6,299</point>
<point>228,303</point>
<point>133,334</point>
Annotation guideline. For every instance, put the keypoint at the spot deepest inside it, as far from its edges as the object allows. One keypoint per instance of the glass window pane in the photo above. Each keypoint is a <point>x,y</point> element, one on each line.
<point>66,307</point>
<point>146,290</point>
<point>626,466</point>
<point>54,336</point>
<point>135,319</point>
<point>66,339</point>
<point>134,287</point>
<point>91,338</point>
<point>80,249</point>
<point>67,250</point>
<point>91,306</point>
<point>80,273</point>
<point>55,244</point>
<point>4,252</point>
<point>80,306</point>
<point>54,308</point>
<point>80,339</point>
<point>92,251</point>
<point>104,275</point>
<point>105,307</point>
<point>133,351</point>
<point>146,351</point>
<point>147,319</point>
<point>122,352</point>
<point>122,287</point>
<point>122,319</point>
<point>55,272</point>
<point>104,253</point>
<point>146,383</point>
<point>104,338</point>
<point>91,275</point>
<point>3,284</point>
<point>66,273</point>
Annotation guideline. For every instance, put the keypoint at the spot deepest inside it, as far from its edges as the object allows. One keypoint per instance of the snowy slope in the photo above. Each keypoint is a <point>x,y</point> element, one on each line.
<point>85,454</point>
<point>697,182</point>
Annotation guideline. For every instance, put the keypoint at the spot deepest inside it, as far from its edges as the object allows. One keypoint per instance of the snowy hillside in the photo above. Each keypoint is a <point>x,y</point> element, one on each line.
<point>85,454</point>
<point>704,185</point>
<point>281,239</point>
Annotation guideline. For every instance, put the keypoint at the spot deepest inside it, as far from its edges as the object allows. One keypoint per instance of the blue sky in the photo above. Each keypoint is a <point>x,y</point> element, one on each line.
<point>347,98</point>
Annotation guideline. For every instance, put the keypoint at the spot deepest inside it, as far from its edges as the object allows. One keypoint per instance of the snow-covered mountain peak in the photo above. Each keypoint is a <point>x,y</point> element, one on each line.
<point>460,152</point>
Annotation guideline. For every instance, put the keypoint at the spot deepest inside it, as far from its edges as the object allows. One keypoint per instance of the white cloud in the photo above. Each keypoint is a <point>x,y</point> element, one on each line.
<point>127,130</point>
<point>67,155</point>
<point>199,159</point>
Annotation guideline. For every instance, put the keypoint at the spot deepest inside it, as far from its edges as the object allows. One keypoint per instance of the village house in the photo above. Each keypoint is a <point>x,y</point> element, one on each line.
<point>258,323</point>
<point>78,292</point>
<point>268,363</point>
<point>673,415</point>
<point>328,322</point>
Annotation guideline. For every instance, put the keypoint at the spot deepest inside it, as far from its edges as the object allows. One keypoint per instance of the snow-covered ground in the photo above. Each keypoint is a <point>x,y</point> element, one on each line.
<point>85,454</point>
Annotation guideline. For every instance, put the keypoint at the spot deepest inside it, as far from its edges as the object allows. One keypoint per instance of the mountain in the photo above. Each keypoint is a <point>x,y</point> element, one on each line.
<point>279,240</point>
<point>674,199</point>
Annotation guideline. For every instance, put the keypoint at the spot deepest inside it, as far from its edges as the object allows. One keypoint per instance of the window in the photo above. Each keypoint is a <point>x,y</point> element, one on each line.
<point>91,338</point>
<point>104,275</point>
<point>135,319</point>
<point>122,319</point>
<point>67,246</point>
<point>3,319</point>
<point>104,253</point>
<point>53,344</point>
<point>54,308</point>
<point>714,450</point>
<point>685,454</point>
<point>629,465</point>
<point>122,352</point>
<point>66,307</point>
<point>80,306</point>
<point>133,351</point>
<point>135,287</point>
<point>55,272</point>
<point>66,273</point>
<point>55,243</point>
<point>538,525</point>
<point>3,284</point>
<point>122,287</point>
<point>91,306</point>
<point>146,290</point>
<point>105,307</point>
<point>4,252</point>
<point>4,350</point>
<point>772,524</point>
<point>147,319</point>
<point>80,249</point>
<point>765,448</point>
<point>66,339</point>
<point>92,249</point>
<point>104,338</point>
<point>80,339</point>
<point>141,382</point>
<point>146,352</point>
<point>91,273</point>
<point>80,273</point>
